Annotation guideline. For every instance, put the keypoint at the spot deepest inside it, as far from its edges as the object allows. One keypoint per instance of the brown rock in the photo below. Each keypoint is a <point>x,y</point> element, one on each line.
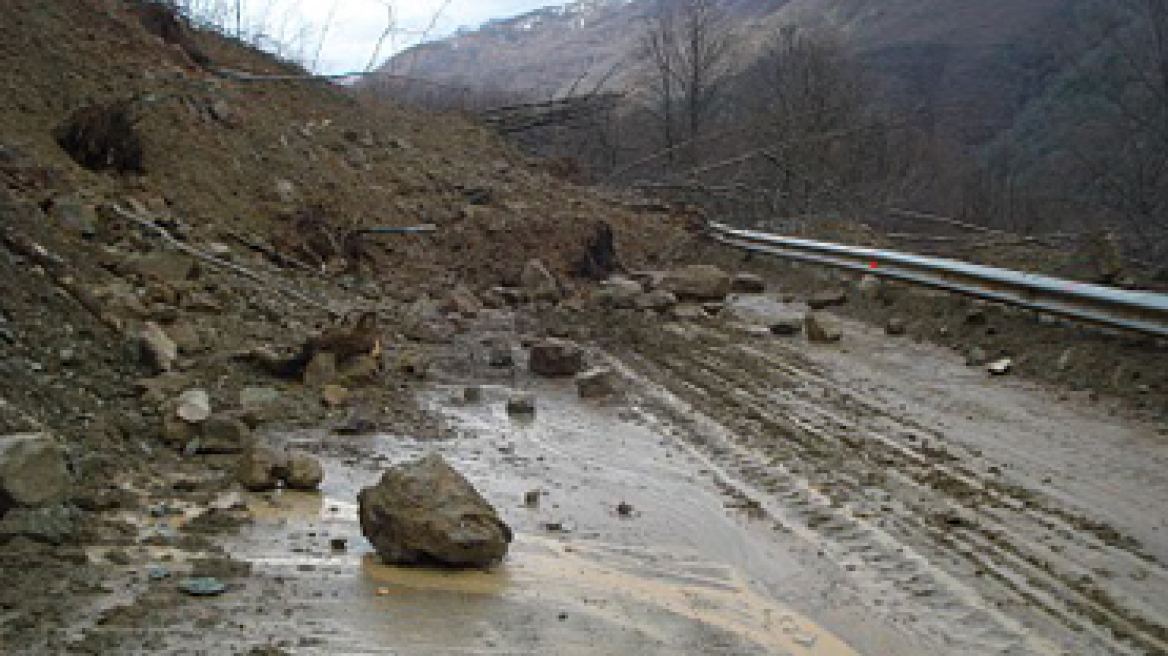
<point>426,511</point>
<point>303,472</point>
<point>33,471</point>
<point>826,299</point>
<point>596,383</point>
<point>224,433</point>
<point>747,283</point>
<point>698,282</point>
<point>821,328</point>
<point>335,396</point>
<point>158,348</point>
<point>260,468</point>
<point>321,370</point>
<point>556,358</point>
<point>539,283</point>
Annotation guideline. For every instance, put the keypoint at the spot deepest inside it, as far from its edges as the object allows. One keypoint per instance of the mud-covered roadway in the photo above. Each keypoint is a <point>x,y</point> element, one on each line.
<point>873,497</point>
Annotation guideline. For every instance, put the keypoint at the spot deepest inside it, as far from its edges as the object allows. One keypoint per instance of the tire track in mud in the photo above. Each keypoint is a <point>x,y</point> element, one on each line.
<point>922,523</point>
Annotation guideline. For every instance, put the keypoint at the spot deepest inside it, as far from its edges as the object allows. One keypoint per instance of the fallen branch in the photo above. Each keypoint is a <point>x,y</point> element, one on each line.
<point>210,259</point>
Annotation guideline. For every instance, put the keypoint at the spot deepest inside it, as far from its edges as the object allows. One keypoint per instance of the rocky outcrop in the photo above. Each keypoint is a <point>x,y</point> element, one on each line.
<point>556,358</point>
<point>426,512</point>
<point>698,282</point>
<point>33,471</point>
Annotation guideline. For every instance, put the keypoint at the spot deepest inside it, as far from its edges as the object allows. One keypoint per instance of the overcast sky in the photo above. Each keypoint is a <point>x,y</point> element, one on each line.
<point>358,23</point>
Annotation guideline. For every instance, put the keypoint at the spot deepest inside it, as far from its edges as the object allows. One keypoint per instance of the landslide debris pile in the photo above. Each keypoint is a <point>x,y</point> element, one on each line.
<point>184,265</point>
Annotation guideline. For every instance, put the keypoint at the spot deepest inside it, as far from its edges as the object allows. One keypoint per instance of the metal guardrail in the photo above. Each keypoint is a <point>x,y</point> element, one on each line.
<point>1145,312</point>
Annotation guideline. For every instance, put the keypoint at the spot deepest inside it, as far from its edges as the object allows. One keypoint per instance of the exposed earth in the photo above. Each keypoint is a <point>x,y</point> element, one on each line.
<point>722,479</point>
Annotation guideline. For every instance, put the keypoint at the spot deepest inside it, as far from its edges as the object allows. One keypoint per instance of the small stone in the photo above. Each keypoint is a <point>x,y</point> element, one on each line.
<point>472,394</point>
<point>619,292</point>
<point>657,300</point>
<point>826,299</point>
<point>624,509</point>
<point>747,283</point>
<point>531,498</point>
<point>787,327</point>
<point>521,403</point>
<point>321,370</point>
<point>339,544</point>
<point>202,587</point>
<point>539,283</point>
<point>698,282</point>
<point>895,327</point>
<point>260,467</point>
<point>194,406</point>
<point>33,471</point>
<point>158,348</point>
<point>304,472</point>
<point>597,382</point>
<point>556,357</point>
<point>821,328</point>
<point>224,433</point>
<point>976,356</point>
<point>335,396</point>
<point>500,357</point>
<point>1000,367</point>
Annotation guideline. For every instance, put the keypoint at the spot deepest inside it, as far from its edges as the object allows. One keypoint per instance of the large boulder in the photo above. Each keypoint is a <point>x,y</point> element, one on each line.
<point>33,471</point>
<point>556,358</point>
<point>425,511</point>
<point>698,282</point>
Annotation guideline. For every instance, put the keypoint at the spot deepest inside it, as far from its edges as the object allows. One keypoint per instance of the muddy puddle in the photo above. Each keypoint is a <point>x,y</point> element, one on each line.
<point>681,574</point>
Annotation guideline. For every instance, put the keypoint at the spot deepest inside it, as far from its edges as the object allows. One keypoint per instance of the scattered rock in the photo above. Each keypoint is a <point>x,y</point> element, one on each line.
<point>556,358</point>
<point>619,292</point>
<point>624,509</point>
<point>531,498</point>
<point>597,382</point>
<point>321,370</point>
<point>539,283</point>
<point>821,328</point>
<point>33,471</point>
<point>1000,367</point>
<point>472,394</point>
<point>260,468</point>
<point>303,472</point>
<point>698,282</point>
<point>869,286</point>
<point>424,511</point>
<point>657,300</point>
<point>158,348</point>
<point>335,396</point>
<point>464,301</point>
<point>52,524</point>
<point>339,544</point>
<point>688,313</point>
<point>224,433</point>
<point>194,406</point>
<point>826,299</point>
<point>747,283</point>
<point>895,327</point>
<point>787,327</point>
<point>74,215</point>
<point>521,403</point>
<point>976,356</point>
<point>202,587</point>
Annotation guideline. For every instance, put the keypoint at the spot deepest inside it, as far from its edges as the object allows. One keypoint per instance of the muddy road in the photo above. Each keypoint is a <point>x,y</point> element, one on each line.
<point>876,497</point>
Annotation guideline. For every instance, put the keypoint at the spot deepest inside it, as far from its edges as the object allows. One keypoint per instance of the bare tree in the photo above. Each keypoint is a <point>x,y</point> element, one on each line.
<point>687,45</point>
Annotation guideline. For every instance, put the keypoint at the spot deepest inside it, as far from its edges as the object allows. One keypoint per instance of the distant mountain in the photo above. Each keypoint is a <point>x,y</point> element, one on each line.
<point>981,58</point>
